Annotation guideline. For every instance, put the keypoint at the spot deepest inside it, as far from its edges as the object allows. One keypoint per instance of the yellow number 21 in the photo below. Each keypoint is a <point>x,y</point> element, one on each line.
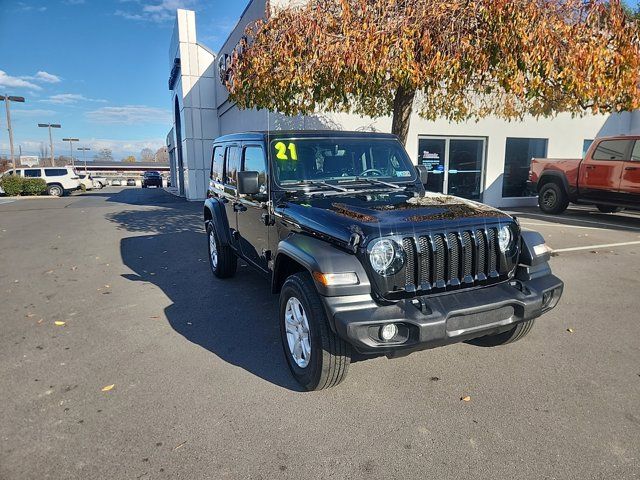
<point>282,151</point>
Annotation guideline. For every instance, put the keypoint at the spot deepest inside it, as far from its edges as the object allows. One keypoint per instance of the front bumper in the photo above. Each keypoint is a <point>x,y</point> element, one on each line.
<point>433,321</point>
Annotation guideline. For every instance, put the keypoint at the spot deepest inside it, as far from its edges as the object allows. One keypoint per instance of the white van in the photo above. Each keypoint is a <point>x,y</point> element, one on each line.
<point>60,180</point>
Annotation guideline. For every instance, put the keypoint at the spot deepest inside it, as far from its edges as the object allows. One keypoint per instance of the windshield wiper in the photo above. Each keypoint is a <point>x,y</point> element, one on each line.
<point>321,184</point>
<point>374,181</point>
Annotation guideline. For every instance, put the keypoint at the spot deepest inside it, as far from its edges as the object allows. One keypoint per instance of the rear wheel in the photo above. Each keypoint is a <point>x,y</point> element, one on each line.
<point>222,259</point>
<point>317,357</point>
<point>552,198</point>
<point>510,336</point>
<point>609,209</point>
<point>55,190</point>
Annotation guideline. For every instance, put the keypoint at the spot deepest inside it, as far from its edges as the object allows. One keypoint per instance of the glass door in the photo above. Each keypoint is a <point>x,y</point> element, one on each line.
<point>455,165</point>
<point>433,152</point>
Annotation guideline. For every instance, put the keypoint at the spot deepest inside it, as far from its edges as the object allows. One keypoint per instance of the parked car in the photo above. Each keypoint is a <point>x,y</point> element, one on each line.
<point>99,182</point>
<point>151,179</point>
<point>116,182</point>
<point>60,180</point>
<point>608,177</point>
<point>362,257</point>
<point>86,180</point>
<point>131,182</point>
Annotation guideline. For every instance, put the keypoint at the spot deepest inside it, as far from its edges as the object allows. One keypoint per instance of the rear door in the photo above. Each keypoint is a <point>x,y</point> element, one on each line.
<point>601,171</point>
<point>254,238</point>
<point>630,183</point>
<point>229,194</point>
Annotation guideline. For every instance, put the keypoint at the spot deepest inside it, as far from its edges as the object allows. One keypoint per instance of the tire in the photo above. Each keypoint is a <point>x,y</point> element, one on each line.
<point>552,198</point>
<point>510,336</point>
<point>55,190</point>
<point>328,362</point>
<point>609,209</point>
<point>225,263</point>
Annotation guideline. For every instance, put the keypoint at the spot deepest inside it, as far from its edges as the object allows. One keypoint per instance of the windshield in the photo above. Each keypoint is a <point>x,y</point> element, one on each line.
<point>338,160</point>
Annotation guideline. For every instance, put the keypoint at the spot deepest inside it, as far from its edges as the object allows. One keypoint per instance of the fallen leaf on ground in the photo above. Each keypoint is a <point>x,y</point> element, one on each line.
<point>60,323</point>
<point>570,330</point>
<point>29,315</point>
<point>107,286</point>
<point>108,387</point>
<point>49,271</point>
<point>466,398</point>
<point>74,268</point>
<point>154,316</point>
<point>180,446</point>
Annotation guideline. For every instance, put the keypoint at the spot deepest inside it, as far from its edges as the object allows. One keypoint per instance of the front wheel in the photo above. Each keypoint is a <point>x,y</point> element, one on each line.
<point>317,357</point>
<point>552,198</point>
<point>608,208</point>
<point>222,259</point>
<point>504,338</point>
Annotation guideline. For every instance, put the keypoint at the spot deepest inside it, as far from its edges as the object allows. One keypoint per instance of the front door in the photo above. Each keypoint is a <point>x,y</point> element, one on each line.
<point>600,175</point>
<point>455,165</point>
<point>252,210</point>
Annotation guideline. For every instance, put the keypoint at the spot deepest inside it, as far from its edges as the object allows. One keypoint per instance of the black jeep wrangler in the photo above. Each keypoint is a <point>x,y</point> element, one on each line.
<point>362,256</point>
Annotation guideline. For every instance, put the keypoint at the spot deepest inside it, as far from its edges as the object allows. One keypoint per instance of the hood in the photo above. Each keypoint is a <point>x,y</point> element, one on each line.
<point>392,213</point>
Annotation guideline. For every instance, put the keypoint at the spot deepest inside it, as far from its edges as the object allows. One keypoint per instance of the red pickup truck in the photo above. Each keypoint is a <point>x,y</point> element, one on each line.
<point>608,177</point>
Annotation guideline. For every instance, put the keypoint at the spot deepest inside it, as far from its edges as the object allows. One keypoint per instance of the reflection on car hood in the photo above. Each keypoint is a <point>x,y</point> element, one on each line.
<point>393,213</point>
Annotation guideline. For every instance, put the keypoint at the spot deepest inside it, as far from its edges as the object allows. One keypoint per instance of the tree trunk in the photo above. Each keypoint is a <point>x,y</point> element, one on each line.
<point>402,108</point>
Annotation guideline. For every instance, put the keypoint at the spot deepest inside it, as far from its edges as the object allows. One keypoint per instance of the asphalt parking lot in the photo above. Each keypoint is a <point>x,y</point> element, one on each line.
<point>200,387</point>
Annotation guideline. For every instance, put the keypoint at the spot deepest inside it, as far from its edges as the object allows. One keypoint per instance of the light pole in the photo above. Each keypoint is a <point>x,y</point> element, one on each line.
<point>84,158</point>
<point>7,102</point>
<point>50,126</point>
<point>71,140</point>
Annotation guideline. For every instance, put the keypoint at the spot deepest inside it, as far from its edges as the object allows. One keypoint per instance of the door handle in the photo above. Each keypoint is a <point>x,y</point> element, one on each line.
<point>590,167</point>
<point>238,207</point>
<point>631,168</point>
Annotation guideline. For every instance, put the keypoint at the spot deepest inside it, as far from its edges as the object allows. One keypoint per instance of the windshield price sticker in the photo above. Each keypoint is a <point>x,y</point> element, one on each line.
<point>403,173</point>
<point>286,152</point>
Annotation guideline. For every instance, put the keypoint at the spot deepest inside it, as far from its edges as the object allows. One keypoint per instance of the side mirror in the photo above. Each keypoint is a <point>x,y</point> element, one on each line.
<point>248,183</point>
<point>423,173</point>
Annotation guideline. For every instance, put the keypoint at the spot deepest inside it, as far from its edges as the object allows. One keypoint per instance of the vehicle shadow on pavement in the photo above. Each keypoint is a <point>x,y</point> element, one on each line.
<point>234,318</point>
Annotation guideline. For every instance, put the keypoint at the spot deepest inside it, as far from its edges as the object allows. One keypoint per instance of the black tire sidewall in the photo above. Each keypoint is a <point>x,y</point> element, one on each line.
<point>308,376</point>
<point>560,201</point>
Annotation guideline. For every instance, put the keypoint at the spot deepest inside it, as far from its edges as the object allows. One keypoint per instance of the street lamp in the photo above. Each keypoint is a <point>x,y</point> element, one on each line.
<point>7,101</point>
<point>84,159</point>
<point>50,126</point>
<point>71,140</point>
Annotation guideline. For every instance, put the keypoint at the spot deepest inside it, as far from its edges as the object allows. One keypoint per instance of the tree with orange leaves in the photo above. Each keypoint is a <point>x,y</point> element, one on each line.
<point>459,59</point>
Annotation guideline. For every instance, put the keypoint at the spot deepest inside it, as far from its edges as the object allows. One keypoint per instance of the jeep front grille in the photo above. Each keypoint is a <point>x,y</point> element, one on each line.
<point>455,259</point>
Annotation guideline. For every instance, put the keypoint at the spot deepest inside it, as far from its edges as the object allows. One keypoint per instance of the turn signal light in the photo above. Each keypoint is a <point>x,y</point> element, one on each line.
<point>336,279</point>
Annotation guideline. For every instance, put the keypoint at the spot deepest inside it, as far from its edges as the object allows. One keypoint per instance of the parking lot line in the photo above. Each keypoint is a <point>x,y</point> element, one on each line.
<point>566,218</point>
<point>592,247</point>
<point>562,225</point>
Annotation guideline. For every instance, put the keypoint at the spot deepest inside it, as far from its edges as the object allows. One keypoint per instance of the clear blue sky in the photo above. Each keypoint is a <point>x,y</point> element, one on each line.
<point>103,68</point>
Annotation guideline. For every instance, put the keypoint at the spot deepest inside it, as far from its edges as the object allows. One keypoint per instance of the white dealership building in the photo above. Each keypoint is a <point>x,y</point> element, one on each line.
<point>486,160</point>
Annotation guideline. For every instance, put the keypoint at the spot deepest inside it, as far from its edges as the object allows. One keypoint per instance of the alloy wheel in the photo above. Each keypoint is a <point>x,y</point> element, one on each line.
<point>297,329</point>
<point>213,249</point>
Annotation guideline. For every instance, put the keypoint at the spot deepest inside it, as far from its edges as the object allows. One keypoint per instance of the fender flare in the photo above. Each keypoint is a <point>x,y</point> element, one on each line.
<point>553,174</point>
<point>218,215</point>
<point>316,255</point>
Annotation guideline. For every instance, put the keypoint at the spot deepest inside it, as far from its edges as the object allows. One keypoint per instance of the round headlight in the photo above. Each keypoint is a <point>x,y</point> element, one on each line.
<point>385,256</point>
<point>505,238</point>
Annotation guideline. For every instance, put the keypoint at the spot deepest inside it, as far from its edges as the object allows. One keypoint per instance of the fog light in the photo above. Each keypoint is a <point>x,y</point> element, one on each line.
<point>388,332</point>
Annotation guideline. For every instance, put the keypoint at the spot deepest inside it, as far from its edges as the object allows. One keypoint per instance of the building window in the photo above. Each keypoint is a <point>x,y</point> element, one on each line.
<point>517,161</point>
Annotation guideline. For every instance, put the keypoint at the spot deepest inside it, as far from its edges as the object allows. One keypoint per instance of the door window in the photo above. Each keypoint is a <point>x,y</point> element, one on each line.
<point>254,161</point>
<point>614,150</point>
<point>517,162</point>
<point>217,164</point>
<point>232,161</point>
<point>635,154</point>
<point>56,172</point>
<point>32,172</point>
